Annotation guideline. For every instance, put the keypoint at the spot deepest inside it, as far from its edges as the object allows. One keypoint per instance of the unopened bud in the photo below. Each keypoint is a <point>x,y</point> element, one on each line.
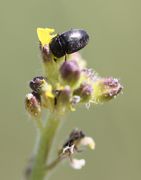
<point>106,89</point>
<point>84,91</point>
<point>46,53</point>
<point>37,83</point>
<point>70,71</point>
<point>33,104</point>
<point>64,95</point>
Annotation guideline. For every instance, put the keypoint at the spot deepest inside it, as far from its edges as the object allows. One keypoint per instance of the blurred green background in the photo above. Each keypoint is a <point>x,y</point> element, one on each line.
<point>114,49</point>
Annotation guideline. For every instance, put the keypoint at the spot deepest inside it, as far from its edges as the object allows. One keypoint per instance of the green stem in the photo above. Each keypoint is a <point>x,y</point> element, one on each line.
<point>43,148</point>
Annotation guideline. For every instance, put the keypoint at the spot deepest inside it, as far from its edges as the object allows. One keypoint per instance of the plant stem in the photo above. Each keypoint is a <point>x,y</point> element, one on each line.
<point>41,155</point>
<point>53,164</point>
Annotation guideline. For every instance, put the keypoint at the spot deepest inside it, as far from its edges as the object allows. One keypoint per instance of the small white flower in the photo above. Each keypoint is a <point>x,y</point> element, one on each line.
<point>77,163</point>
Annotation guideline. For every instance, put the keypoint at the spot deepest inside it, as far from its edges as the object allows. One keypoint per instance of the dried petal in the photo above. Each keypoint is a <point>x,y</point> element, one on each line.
<point>88,141</point>
<point>77,163</point>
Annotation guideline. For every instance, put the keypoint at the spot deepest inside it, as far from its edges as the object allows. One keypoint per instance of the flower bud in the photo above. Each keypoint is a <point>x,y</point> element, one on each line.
<point>46,53</point>
<point>70,71</point>
<point>84,91</point>
<point>106,89</point>
<point>64,95</point>
<point>62,99</point>
<point>39,84</point>
<point>33,104</point>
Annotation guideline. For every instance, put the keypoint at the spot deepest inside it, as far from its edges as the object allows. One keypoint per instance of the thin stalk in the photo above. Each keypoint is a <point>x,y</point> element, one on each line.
<point>43,148</point>
<point>53,164</point>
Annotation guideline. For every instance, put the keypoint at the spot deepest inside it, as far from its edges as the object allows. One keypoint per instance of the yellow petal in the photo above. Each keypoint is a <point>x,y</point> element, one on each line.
<point>44,35</point>
<point>72,108</point>
<point>49,94</point>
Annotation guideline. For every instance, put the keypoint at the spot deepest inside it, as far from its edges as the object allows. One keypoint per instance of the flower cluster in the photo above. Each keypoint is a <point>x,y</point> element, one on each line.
<point>67,83</point>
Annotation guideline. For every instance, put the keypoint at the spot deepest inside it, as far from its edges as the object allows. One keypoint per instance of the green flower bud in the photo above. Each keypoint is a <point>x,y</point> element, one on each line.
<point>40,85</point>
<point>64,95</point>
<point>106,89</point>
<point>62,99</point>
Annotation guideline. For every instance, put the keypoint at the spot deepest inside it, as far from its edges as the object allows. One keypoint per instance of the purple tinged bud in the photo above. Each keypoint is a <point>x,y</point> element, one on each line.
<point>64,95</point>
<point>37,96</point>
<point>46,53</point>
<point>106,89</point>
<point>37,83</point>
<point>84,91</point>
<point>63,99</point>
<point>33,104</point>
<point>70,71</point>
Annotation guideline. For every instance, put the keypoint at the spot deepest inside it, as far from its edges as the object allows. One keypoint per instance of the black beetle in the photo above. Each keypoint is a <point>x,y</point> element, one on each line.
<point>68,42</point>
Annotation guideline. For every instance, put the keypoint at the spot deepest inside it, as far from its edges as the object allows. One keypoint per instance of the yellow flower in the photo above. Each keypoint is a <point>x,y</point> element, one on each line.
<point>45,35</point>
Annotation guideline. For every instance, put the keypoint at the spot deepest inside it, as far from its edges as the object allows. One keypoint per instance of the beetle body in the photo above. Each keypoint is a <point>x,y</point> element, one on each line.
<point>68,42</point>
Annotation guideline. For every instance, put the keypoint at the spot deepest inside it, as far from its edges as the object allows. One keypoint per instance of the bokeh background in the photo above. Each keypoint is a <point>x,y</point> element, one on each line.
<point>114,49</point>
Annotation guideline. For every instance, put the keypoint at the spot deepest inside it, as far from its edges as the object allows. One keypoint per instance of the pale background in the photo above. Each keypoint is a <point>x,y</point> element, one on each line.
<point>114,49</point>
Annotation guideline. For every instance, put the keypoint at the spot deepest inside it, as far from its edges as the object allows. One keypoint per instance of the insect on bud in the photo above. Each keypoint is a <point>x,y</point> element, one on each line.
<point>84,91</point>
<point>33,104</point>
<point>106,89</point>
<point>70,71</point>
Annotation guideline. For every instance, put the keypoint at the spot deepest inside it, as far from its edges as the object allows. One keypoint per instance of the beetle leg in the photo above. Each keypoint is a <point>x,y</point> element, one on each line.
<point>55,59</point>
<point>65,57</point>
